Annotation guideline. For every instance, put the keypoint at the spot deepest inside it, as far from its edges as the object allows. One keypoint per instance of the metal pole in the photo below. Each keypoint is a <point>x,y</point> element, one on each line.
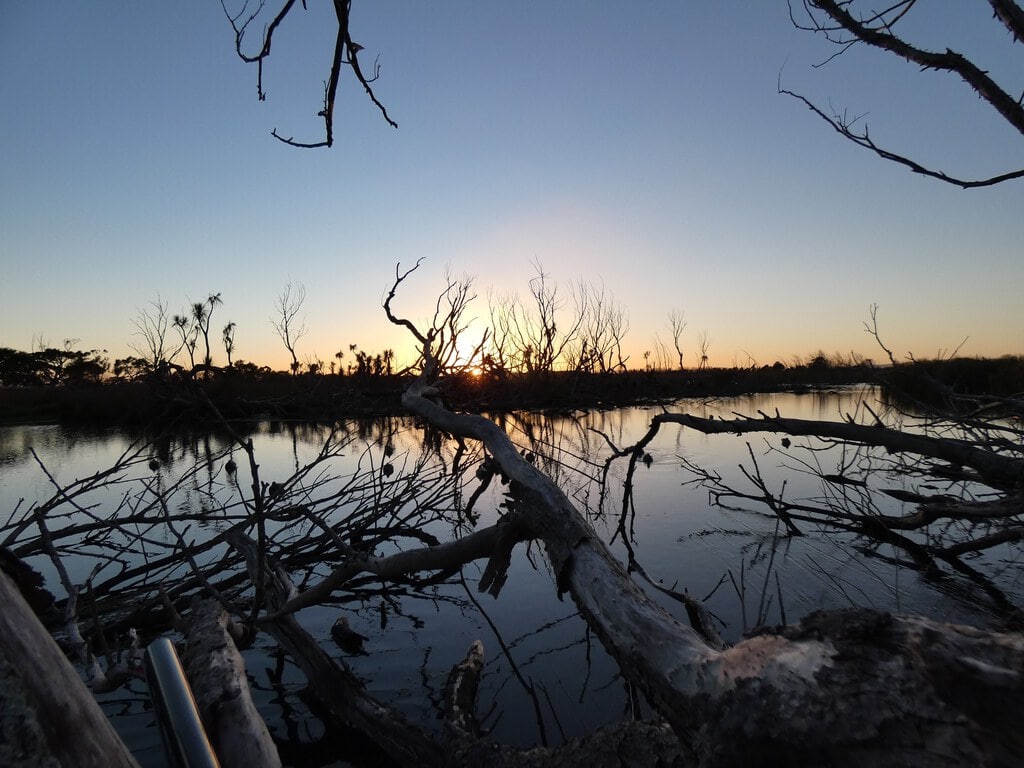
<point>182,731</point>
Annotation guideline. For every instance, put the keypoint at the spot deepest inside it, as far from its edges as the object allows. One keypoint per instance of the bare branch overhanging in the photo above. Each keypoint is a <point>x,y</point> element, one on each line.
<point>346,52</point>
<point>877,29</point>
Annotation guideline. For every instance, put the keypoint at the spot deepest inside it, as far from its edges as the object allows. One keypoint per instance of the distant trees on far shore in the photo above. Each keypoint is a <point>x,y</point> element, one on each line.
<point>52,366</point>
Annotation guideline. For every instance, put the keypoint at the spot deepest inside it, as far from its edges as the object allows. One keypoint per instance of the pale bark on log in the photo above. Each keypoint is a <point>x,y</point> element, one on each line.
<point>460,693</point>
<point>216,673</point>
<point>58,714</point>
<point>886,691</point>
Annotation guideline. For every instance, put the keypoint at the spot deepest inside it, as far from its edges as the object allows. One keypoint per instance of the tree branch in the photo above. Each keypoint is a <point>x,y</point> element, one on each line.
<point>876,29</point>
<point>999,471</point>
<point>345,52</point>
<point>844,128</point>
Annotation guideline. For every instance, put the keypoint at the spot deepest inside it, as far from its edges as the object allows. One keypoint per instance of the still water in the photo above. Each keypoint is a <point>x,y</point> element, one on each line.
<point>393,484</point>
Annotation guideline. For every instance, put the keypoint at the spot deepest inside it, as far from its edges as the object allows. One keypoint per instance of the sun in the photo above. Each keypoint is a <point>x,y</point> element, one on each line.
<point>465,359</point>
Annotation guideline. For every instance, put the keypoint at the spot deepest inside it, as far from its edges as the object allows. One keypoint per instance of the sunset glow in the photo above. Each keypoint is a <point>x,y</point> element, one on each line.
<point>672,173</point>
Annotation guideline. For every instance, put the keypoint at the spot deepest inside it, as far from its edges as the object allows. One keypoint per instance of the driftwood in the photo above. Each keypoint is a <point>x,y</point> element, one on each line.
<point>981,463</point>
<point>216,674</point>
<point>48,716</point>
<point>494,542</point>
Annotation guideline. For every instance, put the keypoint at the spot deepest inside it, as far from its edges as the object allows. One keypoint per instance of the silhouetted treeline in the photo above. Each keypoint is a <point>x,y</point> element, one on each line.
<point>51,367</point>
<point>77,387</point>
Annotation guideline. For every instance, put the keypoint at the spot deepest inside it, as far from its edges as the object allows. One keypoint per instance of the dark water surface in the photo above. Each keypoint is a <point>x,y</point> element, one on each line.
<point>546,678</point>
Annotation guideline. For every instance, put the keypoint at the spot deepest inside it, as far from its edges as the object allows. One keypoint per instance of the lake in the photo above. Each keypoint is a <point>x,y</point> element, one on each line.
<point>388,484</point>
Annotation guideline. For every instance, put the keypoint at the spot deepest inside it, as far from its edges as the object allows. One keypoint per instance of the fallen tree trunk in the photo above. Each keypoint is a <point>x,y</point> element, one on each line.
<point>47,716</point>
<point>216,674</point>
<point>342,694</point>
<point>494,542</point>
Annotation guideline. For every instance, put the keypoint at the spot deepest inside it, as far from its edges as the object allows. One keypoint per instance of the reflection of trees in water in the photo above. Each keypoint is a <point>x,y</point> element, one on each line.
<point>933,496</point>
<point>364,495</point>
<point>147,535</point>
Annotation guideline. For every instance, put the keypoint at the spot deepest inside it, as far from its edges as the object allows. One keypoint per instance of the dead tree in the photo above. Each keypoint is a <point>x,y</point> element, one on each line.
<point>287,324</point>
<point>349,705</point>
<point>602,332</point>
<point>217,674</point>
<point>537,335</point>
<point>979,461</point>
<point>151,326</point>
<point>704,343</point>
<point>839,688</point>
<point>677,324</point>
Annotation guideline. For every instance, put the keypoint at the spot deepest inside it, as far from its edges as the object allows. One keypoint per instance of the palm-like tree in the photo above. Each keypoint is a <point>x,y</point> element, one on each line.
<point>187,330</point>
<point>202,313</point>
<point>228,335</point>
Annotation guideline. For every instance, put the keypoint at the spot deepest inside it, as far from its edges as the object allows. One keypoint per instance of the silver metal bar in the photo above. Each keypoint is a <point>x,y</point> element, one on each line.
<point>183,735</point>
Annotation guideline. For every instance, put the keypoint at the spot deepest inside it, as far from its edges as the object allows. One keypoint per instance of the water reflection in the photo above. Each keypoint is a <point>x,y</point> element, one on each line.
<point>391,485</point>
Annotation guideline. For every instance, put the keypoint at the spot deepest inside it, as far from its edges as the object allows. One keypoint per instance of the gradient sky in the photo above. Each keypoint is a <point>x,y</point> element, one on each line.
<point>641,145</point>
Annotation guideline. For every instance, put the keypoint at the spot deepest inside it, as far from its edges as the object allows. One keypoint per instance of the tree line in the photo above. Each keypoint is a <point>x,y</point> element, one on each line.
<point>577,327</point>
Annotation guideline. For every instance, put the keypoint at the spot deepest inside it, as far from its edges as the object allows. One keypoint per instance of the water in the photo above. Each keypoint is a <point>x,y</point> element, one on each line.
<point>546,677</point>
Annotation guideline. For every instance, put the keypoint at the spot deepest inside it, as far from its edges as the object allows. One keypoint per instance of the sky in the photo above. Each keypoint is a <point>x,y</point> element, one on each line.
<point>641,147</point>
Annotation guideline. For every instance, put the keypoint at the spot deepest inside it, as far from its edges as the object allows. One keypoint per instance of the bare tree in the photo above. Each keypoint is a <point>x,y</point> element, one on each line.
<point>838,688</point>
<point>287,324</point>
<point>873,330</point>
<point>662,359</point>
<point>536,335</point>
<point>837,20</point>
<point>677,325</point>
<point>151,326</point>
<point>548,345</point>
<point>501,354</point>
<point>447,324</point>
<point>843,24</point>
<point>703,343</point>
<point>269,18</point>
<point>602,332</point>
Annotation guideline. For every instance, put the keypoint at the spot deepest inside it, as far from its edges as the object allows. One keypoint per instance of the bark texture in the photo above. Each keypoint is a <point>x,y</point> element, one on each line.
<point>216,674</point>
<point>46,707</point>
<point>875,689</point>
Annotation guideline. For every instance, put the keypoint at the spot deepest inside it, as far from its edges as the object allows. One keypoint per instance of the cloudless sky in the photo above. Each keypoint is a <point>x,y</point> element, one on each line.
<point>641,146</point>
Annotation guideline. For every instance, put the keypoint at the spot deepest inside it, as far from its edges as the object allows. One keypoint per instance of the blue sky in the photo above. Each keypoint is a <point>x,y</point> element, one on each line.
<point>641,146</point>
